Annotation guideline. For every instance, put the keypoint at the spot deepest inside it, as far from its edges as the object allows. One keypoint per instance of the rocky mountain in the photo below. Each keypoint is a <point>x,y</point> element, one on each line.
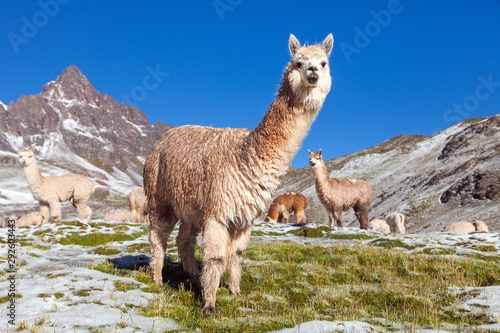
<point>451,176</point>
<point>71,116</point>
<point>74,129</point>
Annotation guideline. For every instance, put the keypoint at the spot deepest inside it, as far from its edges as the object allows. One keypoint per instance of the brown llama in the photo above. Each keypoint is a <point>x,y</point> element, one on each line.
<point>286,203</point>
<point>216,181</point>
<point>339,195</point>
<point>138,205</point>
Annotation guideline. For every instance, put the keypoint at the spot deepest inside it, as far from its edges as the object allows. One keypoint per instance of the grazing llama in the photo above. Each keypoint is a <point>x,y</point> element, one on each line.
<point>379,225</point>
<point>339,195</point>
<point>119,215</point>
<point>481,226</point>
<point>462,228</point>
<point>396,222</point>
<point>34,218</point>
<point>138,205</point>
<point>218,180</point>
<point>285,204</point>
<point>50,191</point>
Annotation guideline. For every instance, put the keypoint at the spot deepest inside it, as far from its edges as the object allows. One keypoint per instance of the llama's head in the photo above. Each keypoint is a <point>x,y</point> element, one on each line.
<point>309,67</point>
<point>315,159</point>
<point>26,156</point>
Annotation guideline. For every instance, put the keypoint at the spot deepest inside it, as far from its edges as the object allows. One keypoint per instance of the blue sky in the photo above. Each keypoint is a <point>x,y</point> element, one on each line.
<point>398,67</point>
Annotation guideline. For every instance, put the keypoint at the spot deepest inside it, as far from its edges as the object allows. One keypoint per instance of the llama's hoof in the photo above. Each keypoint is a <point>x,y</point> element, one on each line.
<point>208,309</point>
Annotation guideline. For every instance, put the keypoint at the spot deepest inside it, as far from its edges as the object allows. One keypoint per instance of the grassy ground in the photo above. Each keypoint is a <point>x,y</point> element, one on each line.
<point>285,284</point>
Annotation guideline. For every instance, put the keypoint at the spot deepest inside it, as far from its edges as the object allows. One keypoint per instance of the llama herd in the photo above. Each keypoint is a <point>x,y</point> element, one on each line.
<point>218,181</point>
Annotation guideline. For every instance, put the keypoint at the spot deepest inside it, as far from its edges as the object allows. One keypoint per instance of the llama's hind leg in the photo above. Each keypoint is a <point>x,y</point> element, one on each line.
<point>84,211</point>
<point>337,216</point>
<point>215,247</point>
<point>237,245</point>
<point>186,241</point>
<point>159,230</point>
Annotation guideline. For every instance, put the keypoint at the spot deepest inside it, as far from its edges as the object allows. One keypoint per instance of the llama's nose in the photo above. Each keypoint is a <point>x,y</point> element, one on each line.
<point>312,68</point>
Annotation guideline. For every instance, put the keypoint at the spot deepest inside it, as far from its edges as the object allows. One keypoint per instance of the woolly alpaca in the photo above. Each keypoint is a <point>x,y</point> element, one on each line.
<point>138,205</point>
<point>50,191</point>
<point>30,219</point>
<point>481,226</point>
<point>218,180</point>
<point>396,222</point>
<point>339,195</point>
<point>462,228</point>
<point>120,215</point>
<point>285,204</point>
<point>379,225</point>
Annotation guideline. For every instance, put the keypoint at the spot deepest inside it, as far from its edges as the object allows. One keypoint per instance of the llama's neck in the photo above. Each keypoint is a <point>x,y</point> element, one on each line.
<point>33,175</point>
<point>321,174</point>
<point>278,137</point>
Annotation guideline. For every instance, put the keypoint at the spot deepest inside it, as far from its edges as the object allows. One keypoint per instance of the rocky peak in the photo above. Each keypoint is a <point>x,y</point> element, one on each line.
<point>71,115</point>
<point>71,85</point>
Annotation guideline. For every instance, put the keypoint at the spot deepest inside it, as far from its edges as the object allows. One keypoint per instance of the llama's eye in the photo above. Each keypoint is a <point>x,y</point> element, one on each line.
<point>323,64</point>
<point>299,64</point>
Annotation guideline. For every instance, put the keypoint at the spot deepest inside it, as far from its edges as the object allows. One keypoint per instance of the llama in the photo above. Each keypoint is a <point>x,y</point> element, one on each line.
<point>137,203</point>
<point>462,228</point>
<point>50,191</point>
<point>34,218</point>
<point>396,222</point>
<point>216,181</point>
<point>339,195</point>
<point>3,223</point>
<point>285,204</point>
<point>481,226</point>
<point>379,225</point>
<point>120,215</point>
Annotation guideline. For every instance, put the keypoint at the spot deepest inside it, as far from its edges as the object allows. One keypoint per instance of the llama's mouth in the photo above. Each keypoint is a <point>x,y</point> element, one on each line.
<point>313,78</point>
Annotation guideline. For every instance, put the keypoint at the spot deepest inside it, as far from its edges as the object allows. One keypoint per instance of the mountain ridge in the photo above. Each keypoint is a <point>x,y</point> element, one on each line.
<point>434,180</point>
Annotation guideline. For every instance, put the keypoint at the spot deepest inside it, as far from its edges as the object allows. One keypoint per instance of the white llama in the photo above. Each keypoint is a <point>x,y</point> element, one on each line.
<point>216,181</point>
<point>138,205</point>
<point>50,191</point>
<point>462,228</point>
<point>119,215</point>
<point>379,225</point>
<point>396,222</point>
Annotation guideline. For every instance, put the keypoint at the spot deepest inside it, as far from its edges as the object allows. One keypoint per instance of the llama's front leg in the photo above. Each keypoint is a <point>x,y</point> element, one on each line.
<point>44,211</point>
<point>215,246</point>
<point>363,217</point>
<point>186,241</point>
<point>337,215</point>
<point>84,211</point>
<point>286,216</point>
<point>55,210</point>
<point>238,244</point>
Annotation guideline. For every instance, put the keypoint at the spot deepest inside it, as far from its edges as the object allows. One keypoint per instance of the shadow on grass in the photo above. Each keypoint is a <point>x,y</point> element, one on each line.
<point>172,272</point>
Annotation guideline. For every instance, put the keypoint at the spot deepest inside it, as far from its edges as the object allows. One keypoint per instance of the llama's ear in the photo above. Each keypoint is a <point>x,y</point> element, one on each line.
<point>309,151</point>
<point>320,153</point>
<point>33,149</point>
<point>293,45</point>
<point>327,44</point>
